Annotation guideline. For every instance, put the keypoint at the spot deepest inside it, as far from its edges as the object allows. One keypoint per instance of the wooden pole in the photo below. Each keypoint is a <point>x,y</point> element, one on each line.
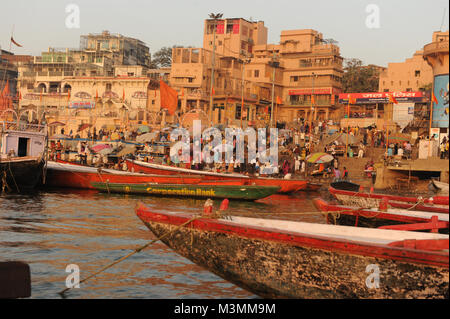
<point>431,118</point>
<point>348,127</point>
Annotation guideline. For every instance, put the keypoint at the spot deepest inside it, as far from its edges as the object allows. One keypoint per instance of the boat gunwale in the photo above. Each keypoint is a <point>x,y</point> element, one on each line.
<point>363,249</point>
<point>324,206</point>
<point>403,199</point>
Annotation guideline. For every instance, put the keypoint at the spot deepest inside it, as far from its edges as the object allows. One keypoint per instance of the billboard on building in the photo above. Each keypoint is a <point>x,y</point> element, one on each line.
<point>81,105</point>
<point>440,110</point>
<point>403,114</point>
<point>383,97</point>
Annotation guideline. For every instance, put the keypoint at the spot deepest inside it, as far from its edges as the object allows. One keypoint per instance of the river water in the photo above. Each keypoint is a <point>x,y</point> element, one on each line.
<point>52,229</point>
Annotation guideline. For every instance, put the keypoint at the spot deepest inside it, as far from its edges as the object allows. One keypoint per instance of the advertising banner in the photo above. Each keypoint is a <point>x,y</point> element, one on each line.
<point>403,114</point>
<point>383,97</point>
<point>440,110</point>
<point>81,105</point>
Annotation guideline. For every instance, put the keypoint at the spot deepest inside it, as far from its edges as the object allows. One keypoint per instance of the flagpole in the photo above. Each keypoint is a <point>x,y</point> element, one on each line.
<point>431,117</point>
<point>348,127</point>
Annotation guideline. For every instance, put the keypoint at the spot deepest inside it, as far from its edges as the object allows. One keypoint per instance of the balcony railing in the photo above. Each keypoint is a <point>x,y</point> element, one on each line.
<point>435,47</point>
<point>307,103</point>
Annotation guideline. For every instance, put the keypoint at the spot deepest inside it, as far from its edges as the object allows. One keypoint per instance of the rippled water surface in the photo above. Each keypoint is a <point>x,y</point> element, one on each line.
<point>52,229</point>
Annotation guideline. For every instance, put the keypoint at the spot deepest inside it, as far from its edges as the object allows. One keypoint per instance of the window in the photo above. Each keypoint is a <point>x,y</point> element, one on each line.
<point>237,114</point>
<point>417,73</point>
<point>256,73</point>
<point>294,78</point>
<point>190,80</point>
<point>220,43</point>
<point>386,90</point>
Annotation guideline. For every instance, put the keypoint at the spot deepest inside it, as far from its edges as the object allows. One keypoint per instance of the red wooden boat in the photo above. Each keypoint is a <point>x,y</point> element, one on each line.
<point>437,204</point>
<point>286,259</point>
<point>78,176</point>
<point>286,185</point>
<point>399,219</point>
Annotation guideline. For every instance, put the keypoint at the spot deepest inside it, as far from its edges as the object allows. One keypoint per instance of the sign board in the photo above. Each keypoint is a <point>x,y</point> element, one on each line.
<point>383,97</point>
<point>440,110</point>
<point>403,114</point>
<point>81,105</point>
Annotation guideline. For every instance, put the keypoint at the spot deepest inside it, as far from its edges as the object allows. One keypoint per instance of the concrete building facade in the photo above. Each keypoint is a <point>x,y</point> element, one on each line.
<point>414,74</point>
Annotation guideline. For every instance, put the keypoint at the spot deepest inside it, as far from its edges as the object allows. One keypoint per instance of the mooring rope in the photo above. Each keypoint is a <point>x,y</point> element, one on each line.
<point>137,250</point>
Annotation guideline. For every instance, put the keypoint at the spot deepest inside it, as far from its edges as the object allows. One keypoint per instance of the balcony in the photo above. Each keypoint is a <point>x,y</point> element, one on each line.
<point>307,103</point>
<point>435,48</point>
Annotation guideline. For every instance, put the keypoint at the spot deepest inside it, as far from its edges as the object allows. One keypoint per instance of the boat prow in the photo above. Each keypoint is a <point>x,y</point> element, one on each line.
<point>285,259</point>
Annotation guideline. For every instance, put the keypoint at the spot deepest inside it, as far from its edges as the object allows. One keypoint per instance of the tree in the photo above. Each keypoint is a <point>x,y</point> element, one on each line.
<point>163,57</point>
<point>360,78</point>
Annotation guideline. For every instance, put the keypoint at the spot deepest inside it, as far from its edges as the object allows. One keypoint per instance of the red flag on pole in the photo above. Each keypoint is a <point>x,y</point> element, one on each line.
<point>392,99</point>
<point>433,98</point>
<point>279,101</point>
<point>169,97</point>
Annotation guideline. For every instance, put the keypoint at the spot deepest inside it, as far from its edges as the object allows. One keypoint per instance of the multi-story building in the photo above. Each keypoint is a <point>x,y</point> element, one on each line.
<point>412,75</point>
<point>119,49</point>
<point>312,67</point>
<point>234,37</point>
<point>247,68</point>
<point>436,54</point>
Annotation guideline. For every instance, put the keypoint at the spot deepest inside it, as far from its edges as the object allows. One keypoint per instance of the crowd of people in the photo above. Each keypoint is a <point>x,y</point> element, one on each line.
<point>295,144</point>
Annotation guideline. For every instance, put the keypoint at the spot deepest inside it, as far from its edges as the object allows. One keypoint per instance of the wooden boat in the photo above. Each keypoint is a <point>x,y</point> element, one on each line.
<point>438,187</point>
<point>437,204</point>
<point>22,159</point>
<point>77,176</point>
<point>200,190</point>
<point>21,174</point>
<point>312,187</point>
<point>285,259</point>
<point>375,218</point>
<point>285,185</point>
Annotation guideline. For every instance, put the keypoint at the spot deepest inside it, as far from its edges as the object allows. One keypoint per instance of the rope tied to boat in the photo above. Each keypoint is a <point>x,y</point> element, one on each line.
<point>137,250</point>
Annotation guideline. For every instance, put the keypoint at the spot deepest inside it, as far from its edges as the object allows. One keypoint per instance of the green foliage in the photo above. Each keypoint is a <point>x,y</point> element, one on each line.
<point>163,57</point>
<point>359,78</point>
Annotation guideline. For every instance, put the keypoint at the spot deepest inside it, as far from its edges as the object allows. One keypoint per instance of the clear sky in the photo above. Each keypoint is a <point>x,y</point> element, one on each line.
<point>404,26</point>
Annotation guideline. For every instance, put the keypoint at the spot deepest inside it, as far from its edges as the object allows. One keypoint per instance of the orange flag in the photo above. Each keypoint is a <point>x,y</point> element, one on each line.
<point>392,99</point>
<point>313,100</point>
<point>351,99</point>
<point>433,98</point>
<point>123,95</point>
<point>169,97</point>
<point>213,93</point>
<point>68,95</point>
<point>96,94</point>
<point>279,101</point>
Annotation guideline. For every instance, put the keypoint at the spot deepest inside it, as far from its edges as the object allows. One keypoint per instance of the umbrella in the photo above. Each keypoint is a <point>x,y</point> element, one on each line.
<point>98,147</point>
<point>105,151</point>
<point>319,158</point>
<point>56,123</point>
<point>83,127</point>
<point>351,139</point>
<point>143,129</point>
<point>148,137</point>
<point>127,150</point>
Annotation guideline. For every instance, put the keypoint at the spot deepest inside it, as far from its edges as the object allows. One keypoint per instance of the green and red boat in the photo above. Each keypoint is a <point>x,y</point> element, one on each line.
<point>200,190</point>
<point>286,185</point>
